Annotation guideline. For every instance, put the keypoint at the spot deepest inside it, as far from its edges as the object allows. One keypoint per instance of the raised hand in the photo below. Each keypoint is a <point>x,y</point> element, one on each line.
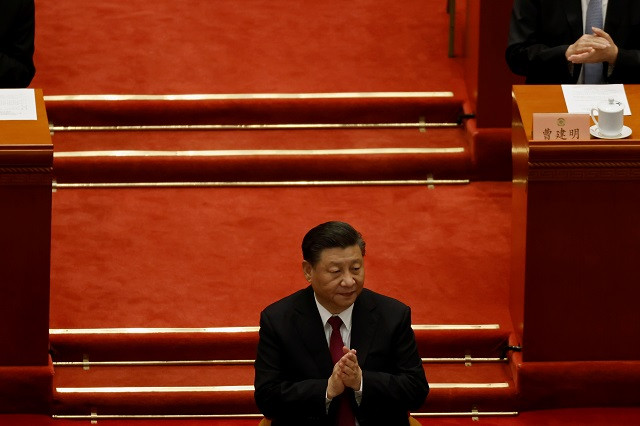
<point>350,372</point>
<point>590,48</point>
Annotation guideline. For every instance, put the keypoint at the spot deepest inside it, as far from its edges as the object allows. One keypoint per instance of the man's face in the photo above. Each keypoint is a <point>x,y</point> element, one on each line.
<point>337,278</point>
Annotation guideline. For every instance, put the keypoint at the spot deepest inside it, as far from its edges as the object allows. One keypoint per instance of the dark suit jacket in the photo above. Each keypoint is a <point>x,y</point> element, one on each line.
<point>17,27</point>
<point>293,363</point>
<point>542,30</point>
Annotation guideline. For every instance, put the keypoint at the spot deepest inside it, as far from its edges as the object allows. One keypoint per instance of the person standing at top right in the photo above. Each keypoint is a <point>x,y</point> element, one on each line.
<point>575,41</point>
<point>17,31</point>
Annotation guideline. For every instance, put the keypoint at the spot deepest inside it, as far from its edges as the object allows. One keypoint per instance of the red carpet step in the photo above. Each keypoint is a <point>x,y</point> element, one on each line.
<point>259,137</point>
<point>161,258</point>
<point>566,417</point>
<point>42,420</point>
<point>254,109</point>
<point>228,389</point>
<point>256,167</point>
<point>240,343</point>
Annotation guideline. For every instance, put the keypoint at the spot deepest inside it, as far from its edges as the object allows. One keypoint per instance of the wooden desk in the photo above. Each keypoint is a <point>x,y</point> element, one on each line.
<point>26,161</point>
<point>576,238</point>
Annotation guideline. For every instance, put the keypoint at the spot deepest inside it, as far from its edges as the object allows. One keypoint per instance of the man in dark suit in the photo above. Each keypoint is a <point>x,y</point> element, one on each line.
<point>377,376</point>
<point>549,44</point>
<point>17,29</point>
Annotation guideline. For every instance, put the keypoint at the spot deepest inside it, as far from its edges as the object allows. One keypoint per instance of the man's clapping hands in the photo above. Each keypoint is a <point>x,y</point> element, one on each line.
<point>346,374</point>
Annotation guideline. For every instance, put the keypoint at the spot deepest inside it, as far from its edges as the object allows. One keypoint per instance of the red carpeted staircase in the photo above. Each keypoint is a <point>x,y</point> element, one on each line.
<point>260,137</point>
<point>191,259</point>
<point>190,378</point>
<point>143,258</point>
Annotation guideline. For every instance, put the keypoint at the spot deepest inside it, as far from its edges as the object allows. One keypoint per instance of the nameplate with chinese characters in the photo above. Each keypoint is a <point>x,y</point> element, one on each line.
<point>559,127</point>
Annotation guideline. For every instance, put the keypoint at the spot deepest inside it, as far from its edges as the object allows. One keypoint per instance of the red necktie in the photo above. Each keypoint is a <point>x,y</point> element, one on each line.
<point>345,412</point>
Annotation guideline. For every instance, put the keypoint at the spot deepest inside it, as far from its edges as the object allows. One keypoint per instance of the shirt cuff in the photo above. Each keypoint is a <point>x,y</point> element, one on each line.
<point>358,394</point>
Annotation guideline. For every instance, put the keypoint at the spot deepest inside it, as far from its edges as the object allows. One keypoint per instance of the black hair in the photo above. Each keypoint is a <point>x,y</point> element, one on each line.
<point>329,235</point>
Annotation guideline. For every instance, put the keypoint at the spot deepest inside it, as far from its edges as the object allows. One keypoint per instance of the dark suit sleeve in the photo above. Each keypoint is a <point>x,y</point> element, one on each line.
<point>395,381</point>
<point>623,24</point>
<point>17,29</point>
<point>277,393</point>
<point>534,50</point>
<point>627,67</point>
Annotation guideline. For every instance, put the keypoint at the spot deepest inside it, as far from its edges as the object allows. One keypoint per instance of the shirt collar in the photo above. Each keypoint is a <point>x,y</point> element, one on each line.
<point>345,315</point>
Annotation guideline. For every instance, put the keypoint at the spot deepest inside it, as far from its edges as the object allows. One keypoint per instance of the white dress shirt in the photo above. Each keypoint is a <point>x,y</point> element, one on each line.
<point>345,333</point>
<point>345,328</point>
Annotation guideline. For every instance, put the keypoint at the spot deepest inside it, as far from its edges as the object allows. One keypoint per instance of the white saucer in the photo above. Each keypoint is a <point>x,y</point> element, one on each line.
<point>625,133</point>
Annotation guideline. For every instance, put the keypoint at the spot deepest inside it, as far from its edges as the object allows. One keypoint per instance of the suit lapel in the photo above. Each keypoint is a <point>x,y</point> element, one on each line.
<point>363,325</point>
<point>308,325</point>
<point>615,11</point>
<point>573,10</point>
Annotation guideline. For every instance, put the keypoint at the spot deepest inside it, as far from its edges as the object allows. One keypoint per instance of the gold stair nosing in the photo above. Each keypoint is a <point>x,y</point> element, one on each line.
<point>248,329</point>
<point>248,96</point>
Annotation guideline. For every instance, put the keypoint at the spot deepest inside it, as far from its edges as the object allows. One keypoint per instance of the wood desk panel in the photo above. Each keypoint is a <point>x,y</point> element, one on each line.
<point>576,238</point>
<point>26,161</point>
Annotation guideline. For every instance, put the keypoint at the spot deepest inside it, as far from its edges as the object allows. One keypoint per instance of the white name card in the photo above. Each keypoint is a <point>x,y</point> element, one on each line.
<point>18,104</point>
<point>559,127</point>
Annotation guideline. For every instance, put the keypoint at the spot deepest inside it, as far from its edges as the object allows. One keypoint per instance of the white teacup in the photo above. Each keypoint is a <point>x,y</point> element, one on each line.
<point>610,118</point>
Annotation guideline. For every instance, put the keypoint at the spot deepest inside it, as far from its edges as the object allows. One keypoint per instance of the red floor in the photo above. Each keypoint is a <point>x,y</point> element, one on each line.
<point>253,46</point>
<point>216,257</point>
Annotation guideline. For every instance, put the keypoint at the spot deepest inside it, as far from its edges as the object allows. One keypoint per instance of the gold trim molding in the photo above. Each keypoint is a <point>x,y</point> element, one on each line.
<point>584,170</point>
<point>240,388</point>
<point>26,176</point>
<point>583,164</point>
<point>130,185</point>
<point>208,127</point>
<point>251,329</point>
<point>247,96</point>
<point>144,330</point>
<point>96,416</point>
<point>257,152</point>
<point>27,169</point>
<point>216,362</point>
<point>158,389</point>
<point>584,174</point>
